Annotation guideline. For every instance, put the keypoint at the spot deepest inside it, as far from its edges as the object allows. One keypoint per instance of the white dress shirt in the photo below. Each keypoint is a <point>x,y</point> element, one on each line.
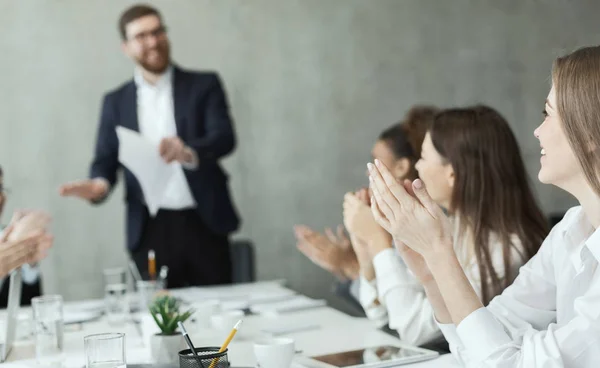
<point>550,316</point>
<point>403,304</point>
<point>156,120</point>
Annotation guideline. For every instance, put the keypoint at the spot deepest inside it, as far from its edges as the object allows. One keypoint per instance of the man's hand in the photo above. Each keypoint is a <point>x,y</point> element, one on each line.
<point>89,189</point>
<point>173,149</point>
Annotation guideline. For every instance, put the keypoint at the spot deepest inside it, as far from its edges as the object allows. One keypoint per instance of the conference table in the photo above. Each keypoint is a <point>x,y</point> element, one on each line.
<point>316,330</point>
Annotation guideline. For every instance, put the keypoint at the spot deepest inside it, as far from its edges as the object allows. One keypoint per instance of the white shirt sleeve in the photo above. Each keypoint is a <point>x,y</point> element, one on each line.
<point>408,309</point>
<point>30,274</point>
<point>367,297</point>
<point>193,164</point>
<point>518,328</point>
<point>104,181</point>
<point>354,289</point>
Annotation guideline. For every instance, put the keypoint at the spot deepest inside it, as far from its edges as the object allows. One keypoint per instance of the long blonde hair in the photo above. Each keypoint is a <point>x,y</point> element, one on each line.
<point>576,79</point>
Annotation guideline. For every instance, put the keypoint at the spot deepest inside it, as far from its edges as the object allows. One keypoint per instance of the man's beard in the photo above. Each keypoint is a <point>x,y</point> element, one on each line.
<point>159,65</point>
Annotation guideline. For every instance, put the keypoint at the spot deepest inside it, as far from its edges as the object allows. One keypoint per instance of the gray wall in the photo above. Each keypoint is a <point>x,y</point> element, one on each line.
<point>311,84</point>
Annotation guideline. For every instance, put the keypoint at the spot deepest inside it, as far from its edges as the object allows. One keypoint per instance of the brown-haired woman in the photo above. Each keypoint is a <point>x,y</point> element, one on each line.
<point>472,166</point>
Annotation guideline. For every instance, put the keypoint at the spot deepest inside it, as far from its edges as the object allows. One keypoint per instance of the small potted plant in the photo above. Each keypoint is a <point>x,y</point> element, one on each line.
<point>166,345</point>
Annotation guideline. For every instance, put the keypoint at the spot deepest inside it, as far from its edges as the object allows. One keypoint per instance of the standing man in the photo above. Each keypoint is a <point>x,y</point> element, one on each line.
<point>186,114</point>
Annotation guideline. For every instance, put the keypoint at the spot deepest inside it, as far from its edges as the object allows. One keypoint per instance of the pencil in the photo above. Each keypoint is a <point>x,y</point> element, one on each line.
<point>227,341</point>
<point>152,264</point>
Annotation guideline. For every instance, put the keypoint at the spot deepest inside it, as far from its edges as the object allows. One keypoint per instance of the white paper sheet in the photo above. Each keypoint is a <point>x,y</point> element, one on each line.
<point>142,158</point>
<point>293,304</point>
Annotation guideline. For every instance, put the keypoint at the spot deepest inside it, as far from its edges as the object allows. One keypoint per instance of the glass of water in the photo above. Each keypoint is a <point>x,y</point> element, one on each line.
<point>146,292</point>
<point>117,305</point>
<point>48,321</point>
<point>115,276</point>
<point>105,350</point>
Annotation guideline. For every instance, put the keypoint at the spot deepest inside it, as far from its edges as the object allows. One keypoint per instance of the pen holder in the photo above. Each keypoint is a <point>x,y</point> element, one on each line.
<point>206,357</point>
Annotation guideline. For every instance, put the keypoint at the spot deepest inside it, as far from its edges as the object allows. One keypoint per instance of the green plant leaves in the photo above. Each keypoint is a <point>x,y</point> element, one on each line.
<point>165,312</point>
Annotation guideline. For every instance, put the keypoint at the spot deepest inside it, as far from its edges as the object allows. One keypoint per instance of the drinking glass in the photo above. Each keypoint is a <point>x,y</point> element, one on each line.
<point>49,336</point>
<point>116,303</point>
<point>105,350</point>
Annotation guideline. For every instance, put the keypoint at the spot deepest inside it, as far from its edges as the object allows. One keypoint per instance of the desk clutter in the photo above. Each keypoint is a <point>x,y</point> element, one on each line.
<point>201,327</point>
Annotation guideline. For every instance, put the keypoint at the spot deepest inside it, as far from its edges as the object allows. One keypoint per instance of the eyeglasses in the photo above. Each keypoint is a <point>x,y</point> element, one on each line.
<point>144,36</point>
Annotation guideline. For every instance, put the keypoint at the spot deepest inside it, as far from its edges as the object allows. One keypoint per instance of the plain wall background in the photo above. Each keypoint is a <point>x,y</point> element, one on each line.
<point>311,84</point>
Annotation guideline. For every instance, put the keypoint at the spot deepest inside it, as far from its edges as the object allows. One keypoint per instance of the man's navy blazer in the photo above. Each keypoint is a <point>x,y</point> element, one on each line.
<point>203,123</point>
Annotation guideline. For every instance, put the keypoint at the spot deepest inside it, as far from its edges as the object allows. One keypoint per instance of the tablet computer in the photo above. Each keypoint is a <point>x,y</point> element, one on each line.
<point>374,357</point>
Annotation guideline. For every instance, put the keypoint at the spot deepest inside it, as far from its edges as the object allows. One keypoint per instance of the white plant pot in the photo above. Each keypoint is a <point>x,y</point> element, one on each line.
<point>165,348</point>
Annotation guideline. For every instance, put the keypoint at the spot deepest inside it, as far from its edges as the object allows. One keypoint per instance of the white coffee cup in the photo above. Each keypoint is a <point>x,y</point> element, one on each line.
<point>274,352</point>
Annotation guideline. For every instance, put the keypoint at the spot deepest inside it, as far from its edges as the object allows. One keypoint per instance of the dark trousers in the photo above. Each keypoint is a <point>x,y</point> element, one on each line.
<point>194,254</point>
<point>27,292</point>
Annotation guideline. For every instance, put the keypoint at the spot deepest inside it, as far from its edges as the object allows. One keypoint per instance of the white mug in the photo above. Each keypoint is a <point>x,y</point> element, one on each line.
<point>274,352</point>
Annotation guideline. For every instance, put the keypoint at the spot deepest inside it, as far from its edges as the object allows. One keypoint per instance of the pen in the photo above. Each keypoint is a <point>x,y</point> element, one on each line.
<point>162,277</point>
<point>189,342</point>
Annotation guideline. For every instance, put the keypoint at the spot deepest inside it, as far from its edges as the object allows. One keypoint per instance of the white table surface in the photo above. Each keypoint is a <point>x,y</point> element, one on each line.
<point>335,332</point>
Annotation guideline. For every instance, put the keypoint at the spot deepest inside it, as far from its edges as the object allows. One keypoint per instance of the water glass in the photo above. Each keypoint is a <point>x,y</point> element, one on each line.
<point>114,276</point>
<point>48,320</point>
<point>117,305</point>
<point>24,326</point>
<point>146,292</point>
<point>105,350</point>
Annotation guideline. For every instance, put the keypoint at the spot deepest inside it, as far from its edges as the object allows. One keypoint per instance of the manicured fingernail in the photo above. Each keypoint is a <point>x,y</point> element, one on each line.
<point>370,167</point>
<point>377,163</point>
<point>418,184</point>
<point>372,199</point>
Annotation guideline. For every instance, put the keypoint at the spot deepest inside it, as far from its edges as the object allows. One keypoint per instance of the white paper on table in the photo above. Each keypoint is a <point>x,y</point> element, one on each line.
<point>142,158</point>
<point>235,295</point>
<point>293,304</point>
